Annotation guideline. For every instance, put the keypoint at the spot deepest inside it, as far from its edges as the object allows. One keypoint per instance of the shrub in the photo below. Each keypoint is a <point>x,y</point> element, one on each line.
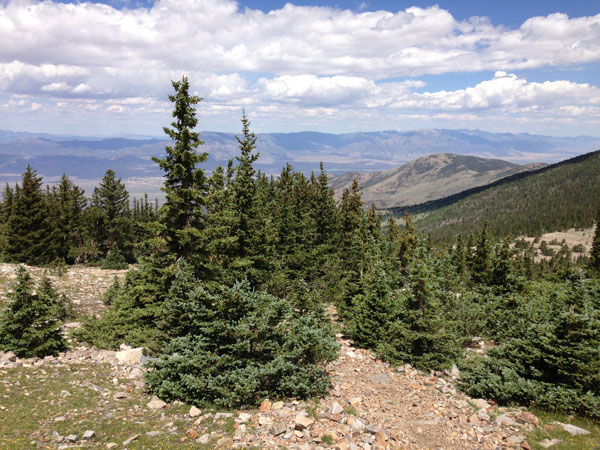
<point>554,362</point>
<point>135,314</point>
<point>240,347</point>
<point>30,326</point>
<point>114,261</point>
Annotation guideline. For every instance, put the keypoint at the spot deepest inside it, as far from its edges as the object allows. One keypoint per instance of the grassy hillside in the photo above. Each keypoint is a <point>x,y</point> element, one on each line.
<point>556,197</point>
<point>428,178</point>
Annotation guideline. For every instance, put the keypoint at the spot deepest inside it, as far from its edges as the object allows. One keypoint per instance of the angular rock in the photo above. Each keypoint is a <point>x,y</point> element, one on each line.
<point>71,438</point>
<point>381,378</point>
<point>515,440</point>
<point>528,417</point>
<point>504,420</point>
<point>156,404</point>
<point>336,408</point>
<point>303,422</point>
<point>262,420</point>
<point>358,425</point>
<point>373,429</point>
<point>205,439</point>
<point>152,433</point>
<point>120,395</point>
<point>191,433</point>
<point>480,403</point>
<point>243,417</point>
<point>194,412</point>
<point>277,405</point>
<point>224,443</point>
<point>265,406</point>
<point>89,434</point>
<point>572,429</point>
<point>278,429</point>
<point>130,439</point>
<point>130,356</point>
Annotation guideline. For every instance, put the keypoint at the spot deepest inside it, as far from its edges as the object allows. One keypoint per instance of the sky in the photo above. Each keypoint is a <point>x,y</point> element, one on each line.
<point>104,68</point>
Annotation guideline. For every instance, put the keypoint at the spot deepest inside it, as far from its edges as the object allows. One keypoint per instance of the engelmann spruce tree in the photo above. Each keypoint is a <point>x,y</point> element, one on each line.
<point>30,325</point>
<point>185,185</point>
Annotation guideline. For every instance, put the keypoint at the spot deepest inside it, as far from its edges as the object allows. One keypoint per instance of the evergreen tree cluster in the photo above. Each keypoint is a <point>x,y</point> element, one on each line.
<point>42,226</point>
<point>236,270</point>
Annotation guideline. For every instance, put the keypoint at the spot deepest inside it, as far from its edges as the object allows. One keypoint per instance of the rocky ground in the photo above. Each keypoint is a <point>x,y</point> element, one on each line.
<point>96,398</point>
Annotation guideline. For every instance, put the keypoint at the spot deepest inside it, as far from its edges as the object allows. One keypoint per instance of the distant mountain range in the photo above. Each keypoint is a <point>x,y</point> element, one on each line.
<point>86,158</point>
<point>427,178</point>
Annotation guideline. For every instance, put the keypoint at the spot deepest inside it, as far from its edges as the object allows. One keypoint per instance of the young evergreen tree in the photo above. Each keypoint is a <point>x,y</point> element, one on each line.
<point>240,346</point>
<point>374,309</point>
<point>422,335</point>
<point>113,226</point>
<point>552,359</point>
<point>5,212</point>
<point>29,229</point>
<point>595,251</point>
<point>185,185</point>
<point>244,190</point>
<point>30,325</point>
<point>482,258</point>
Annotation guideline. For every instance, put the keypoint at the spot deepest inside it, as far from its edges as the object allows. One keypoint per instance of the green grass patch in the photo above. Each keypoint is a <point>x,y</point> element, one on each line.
<point>546,430</point>
<point>31,401</point>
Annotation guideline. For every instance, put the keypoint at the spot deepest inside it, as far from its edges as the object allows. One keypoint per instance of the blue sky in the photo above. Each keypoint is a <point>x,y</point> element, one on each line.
<point>104,68</point>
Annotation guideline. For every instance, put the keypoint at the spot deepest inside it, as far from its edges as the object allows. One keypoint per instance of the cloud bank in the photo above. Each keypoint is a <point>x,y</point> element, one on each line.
<point>85,59</point>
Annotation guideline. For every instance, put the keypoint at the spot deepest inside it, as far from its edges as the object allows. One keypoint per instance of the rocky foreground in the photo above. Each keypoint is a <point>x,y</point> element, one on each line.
<point>90,398</point>
<point>370,406</point>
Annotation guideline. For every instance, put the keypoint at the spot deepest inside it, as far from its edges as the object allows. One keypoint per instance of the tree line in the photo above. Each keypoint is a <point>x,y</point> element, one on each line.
<point>60,225</point>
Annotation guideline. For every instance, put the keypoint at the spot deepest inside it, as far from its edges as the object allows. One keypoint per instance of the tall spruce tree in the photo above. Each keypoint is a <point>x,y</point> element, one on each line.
<point>28,229</point>
<point>111,199</point>
<point>185,185</point>
<point>244,189</point>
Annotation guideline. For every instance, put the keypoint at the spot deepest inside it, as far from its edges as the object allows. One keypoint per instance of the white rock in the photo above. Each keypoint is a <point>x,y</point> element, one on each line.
<point>480,403</point>
<point>204,439</point>
<point>194,412</point>
<point>358,425</point>
<point>130,356</point>
<point>547,443</point>
<point>89,434</point>
<point>505,420</point>
<point>156,404</point>
<point>336,408</point>
<point>572,429</point>
<point>243,417</point>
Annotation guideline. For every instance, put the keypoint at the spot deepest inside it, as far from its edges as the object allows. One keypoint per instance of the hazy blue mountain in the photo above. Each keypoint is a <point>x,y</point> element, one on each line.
<point>88,157</point>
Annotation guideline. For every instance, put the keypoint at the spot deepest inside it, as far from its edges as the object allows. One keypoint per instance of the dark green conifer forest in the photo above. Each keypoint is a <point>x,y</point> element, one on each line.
<point>235,276</point>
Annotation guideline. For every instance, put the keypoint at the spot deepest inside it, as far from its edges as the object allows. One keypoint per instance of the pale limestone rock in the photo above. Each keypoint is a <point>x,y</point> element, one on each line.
<point>156,404</point>
<point>303,422</point>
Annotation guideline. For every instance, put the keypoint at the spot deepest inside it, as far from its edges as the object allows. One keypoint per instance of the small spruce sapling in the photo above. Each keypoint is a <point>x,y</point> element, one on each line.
<point>30,325</point>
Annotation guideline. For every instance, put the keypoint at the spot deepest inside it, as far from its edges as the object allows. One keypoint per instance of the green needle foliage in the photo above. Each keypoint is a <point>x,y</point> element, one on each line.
<point>552,360</point>
<point>185,185</point>
<point>240,346</point>
<point>30,325</point>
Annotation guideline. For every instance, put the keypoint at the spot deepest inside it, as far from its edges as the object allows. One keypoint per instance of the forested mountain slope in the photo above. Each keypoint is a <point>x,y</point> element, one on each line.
<point>428,178</point>
<point>556,197</point>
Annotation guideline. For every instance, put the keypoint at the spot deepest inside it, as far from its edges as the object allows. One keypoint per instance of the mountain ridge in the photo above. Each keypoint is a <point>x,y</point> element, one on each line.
<point>427,178</point>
